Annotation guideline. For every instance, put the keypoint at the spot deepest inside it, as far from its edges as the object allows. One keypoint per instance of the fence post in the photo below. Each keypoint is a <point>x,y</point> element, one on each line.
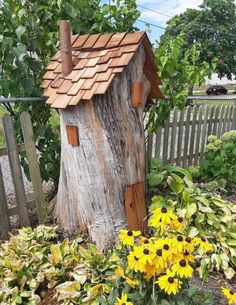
<point>14,161</point>
<point>32,158</point>
<point>5,226</point>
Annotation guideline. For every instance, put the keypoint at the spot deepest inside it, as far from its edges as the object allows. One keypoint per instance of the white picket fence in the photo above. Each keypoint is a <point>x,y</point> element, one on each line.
<point>183,138</point>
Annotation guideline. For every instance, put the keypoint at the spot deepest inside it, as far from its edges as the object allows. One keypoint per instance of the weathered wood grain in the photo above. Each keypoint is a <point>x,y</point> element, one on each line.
<point>32,159</point>
<point>5,226</point>
<point>14,162</point>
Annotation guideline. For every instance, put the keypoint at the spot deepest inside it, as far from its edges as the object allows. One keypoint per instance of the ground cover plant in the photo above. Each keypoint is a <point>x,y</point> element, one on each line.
<point>36,267</point>
<point>207,214</point>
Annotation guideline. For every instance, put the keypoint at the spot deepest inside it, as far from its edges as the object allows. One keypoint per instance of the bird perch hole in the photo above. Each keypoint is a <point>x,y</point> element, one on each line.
<point>72,135</point>
<point>135,206</point>
<point>137,94</point>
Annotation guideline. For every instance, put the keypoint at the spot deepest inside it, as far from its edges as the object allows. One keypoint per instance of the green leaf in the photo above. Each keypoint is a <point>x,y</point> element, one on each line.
<point>155,179</point>
<point>176,183</point>
<point>20,31</point>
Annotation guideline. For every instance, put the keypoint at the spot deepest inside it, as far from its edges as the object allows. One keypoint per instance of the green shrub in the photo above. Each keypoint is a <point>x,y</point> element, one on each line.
<point>219,159</point>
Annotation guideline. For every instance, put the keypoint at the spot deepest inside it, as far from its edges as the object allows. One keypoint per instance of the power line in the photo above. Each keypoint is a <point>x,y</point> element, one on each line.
<point>154,11</point>
<point>152,24</point>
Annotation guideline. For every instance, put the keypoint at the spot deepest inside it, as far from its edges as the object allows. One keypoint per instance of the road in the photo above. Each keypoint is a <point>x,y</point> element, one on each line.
<point>213,97</point>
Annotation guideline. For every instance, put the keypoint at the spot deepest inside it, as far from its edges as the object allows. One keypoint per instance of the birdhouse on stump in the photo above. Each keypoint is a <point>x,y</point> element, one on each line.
<point>100,84</point>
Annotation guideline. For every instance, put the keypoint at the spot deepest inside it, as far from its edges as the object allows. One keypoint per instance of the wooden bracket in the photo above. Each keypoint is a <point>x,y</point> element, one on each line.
<point>137,94</point>
<point>72,135</point>
<point>135,206</point>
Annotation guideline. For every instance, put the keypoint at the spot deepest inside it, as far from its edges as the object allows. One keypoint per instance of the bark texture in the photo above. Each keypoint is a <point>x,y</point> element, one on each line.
<point>110,157</point>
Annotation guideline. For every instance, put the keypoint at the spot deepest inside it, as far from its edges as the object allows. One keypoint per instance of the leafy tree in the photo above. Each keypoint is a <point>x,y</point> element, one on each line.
<point>28,39</point>
<point>214,26</point>
<point>180,69</point>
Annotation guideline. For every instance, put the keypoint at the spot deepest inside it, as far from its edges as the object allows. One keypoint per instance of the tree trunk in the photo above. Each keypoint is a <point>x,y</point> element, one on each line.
<point>110,157</point>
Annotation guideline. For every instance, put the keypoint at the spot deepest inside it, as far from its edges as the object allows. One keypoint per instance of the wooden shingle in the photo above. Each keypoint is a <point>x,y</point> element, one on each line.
<point>97,59</point>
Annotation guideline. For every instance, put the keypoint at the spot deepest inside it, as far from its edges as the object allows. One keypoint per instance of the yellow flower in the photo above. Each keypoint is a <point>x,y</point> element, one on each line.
<point>97,288</point>
<point>119,271</point>
<point>169,283</point>
<point>131,282</point>
<point>145,253</point>
<point>177,224</point>
<point>183,269</point>
<point>127,237</point>
<point>123,300</point>
<point>188,257</point>
<point>204,246</point>
<point>178,243</point>
<point>134,262</point>
<point>161,217</point>
<point>159,261</point>
<point>189,244</point>
<point>230,295</point>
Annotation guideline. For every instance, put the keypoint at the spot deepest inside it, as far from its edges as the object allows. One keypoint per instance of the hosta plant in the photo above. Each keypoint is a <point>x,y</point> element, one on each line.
<point>219,159</point>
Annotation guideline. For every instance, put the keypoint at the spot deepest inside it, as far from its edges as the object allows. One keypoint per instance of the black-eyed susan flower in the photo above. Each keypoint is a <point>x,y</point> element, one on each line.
<point>177,224</point>
<point>123,300</point>
<point>159,261</point>
<point>178,243</point>
<point>204,245</point>
<point>127,237</point>
<point>169,283</point>
<point>189,244</point>
<point>160,218</point>
<point>134,262</point>
<point>183,269</point>
<point>230,295</point>
<point>188,257</point>
<point>145,253</point>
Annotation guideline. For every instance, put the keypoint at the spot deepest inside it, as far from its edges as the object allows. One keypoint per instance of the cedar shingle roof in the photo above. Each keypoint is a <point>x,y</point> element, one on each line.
<point>96,60</point>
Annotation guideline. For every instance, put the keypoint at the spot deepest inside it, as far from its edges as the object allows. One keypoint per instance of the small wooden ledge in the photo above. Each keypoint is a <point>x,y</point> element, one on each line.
<point>72,135</point>
<point>137,94</point>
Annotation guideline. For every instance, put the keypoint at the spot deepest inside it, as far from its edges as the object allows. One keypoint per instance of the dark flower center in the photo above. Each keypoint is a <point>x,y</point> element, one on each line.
<point>136,258</point>
<point>180,219</point>
<point>166,247</point>
<point>171,280</point>
<point>186,253</point>
<point>164,210</point>
<point>188,239</point>
<point>231,292</point>
<point>203,239</point>
<point>159,252</point>
<point>130,233</point>
<point>123,304</point>
<point>146,241</point>
<point>146,251</point>
<point>179,238</point>
<point>183,263</point>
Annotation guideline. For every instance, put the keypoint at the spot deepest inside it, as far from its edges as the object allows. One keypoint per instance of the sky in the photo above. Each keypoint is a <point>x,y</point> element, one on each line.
<point>168,8</point>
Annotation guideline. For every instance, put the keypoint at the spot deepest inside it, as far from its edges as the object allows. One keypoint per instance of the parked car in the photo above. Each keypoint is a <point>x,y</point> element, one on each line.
<point>216,90</point>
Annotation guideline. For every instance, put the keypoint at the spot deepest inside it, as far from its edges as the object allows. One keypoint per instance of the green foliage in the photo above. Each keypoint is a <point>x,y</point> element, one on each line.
<point>207,215</point>
<point>33,262</point>
<point>35,265</point>
<point>219,159</point>
<point>29,38</point>
<point>213,25</point>
<point>179,71</point>
<point>167,176</point>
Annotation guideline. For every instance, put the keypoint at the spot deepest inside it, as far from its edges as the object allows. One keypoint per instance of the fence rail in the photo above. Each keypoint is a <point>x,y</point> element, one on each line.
<point>184,136</point>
